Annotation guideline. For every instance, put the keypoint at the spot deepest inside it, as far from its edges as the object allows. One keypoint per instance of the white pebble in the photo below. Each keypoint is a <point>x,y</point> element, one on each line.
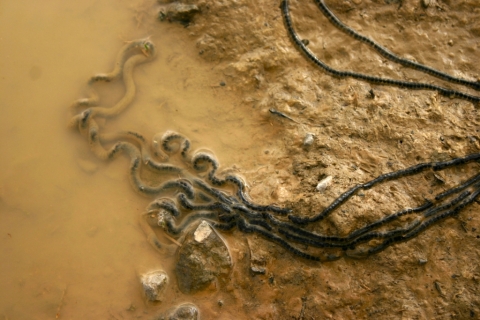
<point>154,284</point>
<point>202,232</point>
<point>322,185</point>
<point>308,140</point>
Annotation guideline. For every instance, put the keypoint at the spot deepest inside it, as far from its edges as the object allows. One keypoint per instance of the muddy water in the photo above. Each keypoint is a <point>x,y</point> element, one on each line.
<point>70,244</point>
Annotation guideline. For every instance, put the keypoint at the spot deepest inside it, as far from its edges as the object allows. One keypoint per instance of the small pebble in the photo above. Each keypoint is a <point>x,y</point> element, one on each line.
<point>154,285</point>
<point>322,185</point>
<point>222,83</point>
<point>185,311</point>
<point>422,261</point>
<point>371,94</point>
<point>308,140</point>
<point>258,270</point>
<point>202,232</point>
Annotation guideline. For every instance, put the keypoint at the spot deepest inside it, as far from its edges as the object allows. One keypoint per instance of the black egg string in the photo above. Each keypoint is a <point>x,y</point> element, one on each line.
<point>381,50</point>
<point>191,188</point>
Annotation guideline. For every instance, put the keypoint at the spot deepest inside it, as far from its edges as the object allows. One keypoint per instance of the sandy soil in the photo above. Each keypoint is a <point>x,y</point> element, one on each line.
<point>356,139</point>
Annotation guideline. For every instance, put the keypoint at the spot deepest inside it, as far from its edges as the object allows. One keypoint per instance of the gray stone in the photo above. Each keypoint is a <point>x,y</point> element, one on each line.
<point>308,140</point>
<point>202,259</point>
<point>178,12</point>
<point>154,284</point>
<point>185,311</point>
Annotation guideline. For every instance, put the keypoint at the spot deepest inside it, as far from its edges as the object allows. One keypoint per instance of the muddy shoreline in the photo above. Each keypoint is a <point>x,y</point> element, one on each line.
<point>358,136</point>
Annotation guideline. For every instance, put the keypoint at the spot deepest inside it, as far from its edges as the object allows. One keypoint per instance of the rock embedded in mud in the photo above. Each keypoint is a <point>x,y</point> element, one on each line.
<point>178,12</point>
<point>154,284</point>
<point>308,140</point>
<point>202,259</point>
<point>257,269</point>
<point>324,183</point>
<point>186,311</point>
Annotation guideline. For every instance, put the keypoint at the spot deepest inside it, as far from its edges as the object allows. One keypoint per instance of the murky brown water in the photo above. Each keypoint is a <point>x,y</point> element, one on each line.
<point>70,243</point>
<point>69,236</point>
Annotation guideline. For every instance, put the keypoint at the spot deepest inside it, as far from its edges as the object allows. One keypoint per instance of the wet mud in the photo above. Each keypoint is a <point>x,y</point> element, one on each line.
<point>70,234</point>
